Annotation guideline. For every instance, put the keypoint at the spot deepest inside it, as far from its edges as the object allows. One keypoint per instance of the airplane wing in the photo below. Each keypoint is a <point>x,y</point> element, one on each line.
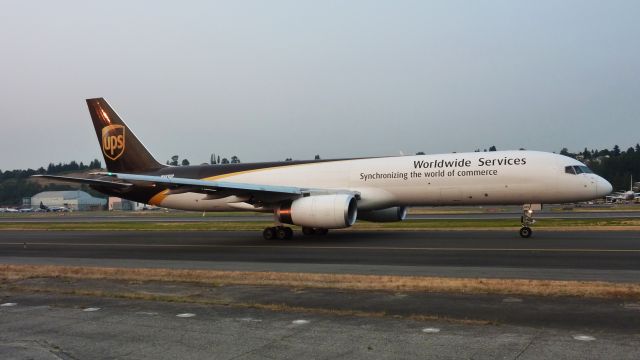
<point>88,181</point>
<point>213,189</point>
<point>216,189</point>
<point>206,185</point>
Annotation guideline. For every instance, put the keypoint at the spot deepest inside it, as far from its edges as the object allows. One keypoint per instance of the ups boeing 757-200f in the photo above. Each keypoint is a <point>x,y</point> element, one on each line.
<point>332,194</point>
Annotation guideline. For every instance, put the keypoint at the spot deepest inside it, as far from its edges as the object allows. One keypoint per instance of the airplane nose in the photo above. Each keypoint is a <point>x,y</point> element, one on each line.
<point>604,187</point>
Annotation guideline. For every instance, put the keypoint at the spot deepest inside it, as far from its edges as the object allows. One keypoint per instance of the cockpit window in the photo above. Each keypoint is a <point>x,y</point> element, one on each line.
<point>586,170</point>
<point>577,169</point>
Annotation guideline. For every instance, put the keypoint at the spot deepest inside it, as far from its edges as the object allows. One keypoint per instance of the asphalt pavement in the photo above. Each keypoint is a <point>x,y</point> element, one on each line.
<point>567,255</point>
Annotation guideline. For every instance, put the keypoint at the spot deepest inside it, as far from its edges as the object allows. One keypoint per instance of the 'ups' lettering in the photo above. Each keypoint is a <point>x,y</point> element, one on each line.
<point>113,143</point>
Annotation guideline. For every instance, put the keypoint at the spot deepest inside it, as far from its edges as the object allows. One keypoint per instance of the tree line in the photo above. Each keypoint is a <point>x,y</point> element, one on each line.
<point>15,184</point>
<point>615,165</point>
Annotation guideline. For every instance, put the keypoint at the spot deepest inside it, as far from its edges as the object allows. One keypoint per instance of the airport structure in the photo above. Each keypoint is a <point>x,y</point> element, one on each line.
<point>74,200</point>
<point>119,204</point>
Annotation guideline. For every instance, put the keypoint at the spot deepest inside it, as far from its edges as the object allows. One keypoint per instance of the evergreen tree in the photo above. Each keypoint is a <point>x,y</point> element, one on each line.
<point>615,151</point>
<point>586,154</point>
<point>493,148</point>
<point>185,162</point>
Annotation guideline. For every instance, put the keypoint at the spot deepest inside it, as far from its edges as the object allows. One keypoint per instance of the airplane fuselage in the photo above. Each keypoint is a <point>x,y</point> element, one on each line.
<point>479,178</point>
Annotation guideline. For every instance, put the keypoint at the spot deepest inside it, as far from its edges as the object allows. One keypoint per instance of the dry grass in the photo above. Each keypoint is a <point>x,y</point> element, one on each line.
<point>590,289</point>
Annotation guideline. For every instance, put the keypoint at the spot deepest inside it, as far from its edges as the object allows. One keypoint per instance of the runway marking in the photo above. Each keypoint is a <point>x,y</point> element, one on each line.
<point>430,330</point>
<point>186,315</point>
<point>583,337</point>
<point>248,319</point>
<point>511,300</point>
<point>300,322</point>
<point>385,248</point>
<point>150,313</point>
<point>91,309</point>
<point>8,304</point>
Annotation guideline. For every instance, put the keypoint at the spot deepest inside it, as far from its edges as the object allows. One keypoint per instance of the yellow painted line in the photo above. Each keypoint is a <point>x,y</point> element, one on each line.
<point>324,247</point>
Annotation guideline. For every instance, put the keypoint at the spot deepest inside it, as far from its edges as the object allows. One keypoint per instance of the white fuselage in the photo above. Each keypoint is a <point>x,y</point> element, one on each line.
<point>501,177</point>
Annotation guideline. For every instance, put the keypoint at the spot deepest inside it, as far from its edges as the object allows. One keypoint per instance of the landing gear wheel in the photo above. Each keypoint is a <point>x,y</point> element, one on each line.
<point>289,232</point>
<point>283,233</point>
<point>308,230</point>
<point>525,232</point>
<point>269,233</point>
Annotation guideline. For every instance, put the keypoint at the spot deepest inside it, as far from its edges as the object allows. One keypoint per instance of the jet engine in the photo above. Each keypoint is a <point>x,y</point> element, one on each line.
<point>396,213</point>
<point>334,211</point>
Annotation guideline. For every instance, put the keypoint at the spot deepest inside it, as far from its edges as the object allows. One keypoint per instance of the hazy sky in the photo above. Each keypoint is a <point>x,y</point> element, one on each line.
<point>267,80</point>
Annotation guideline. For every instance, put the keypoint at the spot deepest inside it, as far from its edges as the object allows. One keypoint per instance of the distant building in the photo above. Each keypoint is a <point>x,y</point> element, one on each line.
<point>74,200</point>
<point>116,203</point>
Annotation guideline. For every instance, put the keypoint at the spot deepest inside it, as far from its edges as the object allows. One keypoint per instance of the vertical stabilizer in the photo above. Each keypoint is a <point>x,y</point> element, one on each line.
<point>122,150</point>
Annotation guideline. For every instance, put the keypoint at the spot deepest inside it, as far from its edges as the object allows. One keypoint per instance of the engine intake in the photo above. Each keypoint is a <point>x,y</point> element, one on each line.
<point>320,211</point>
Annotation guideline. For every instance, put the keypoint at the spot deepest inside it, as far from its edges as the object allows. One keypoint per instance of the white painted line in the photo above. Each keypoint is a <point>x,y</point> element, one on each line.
<point>300,322</point>
<point>186,315</point>
<point>8,304</point>
<point>583,337</point>
<point>90,309</point>
<point>150,313</point>
<point>632,306</point>
<point>430,330</point>
<point>383,248</point>
<point>248,319</point>
<point>512,300</point>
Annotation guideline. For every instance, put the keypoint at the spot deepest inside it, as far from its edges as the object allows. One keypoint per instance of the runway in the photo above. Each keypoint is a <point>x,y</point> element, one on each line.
<point>213,217</point>
<point>571,255</point>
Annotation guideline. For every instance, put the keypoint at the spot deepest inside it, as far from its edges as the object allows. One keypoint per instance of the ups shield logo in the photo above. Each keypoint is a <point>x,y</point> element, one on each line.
<point>113,141</point>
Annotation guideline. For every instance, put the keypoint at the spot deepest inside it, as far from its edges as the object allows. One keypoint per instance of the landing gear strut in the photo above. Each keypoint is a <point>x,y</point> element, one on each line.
<point>527,219</point>
<point>277,232</point>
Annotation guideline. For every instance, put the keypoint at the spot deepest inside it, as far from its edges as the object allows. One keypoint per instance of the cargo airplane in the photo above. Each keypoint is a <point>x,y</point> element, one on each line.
<point>319,195</point>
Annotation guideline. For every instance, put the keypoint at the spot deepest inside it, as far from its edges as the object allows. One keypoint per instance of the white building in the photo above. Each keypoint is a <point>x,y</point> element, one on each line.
<point>74,200</point>
<point>116,203</point>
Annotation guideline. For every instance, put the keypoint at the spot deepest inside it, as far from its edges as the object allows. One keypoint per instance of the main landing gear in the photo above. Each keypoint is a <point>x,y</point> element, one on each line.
<point>286,233</point>
<point>277,232</point>
<point>527,219</point>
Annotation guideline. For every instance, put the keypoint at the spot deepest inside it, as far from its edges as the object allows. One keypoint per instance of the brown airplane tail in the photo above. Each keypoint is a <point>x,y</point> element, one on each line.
<point>122,150</point>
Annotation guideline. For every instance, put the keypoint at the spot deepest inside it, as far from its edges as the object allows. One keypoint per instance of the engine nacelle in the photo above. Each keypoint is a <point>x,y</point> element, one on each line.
<point>396,213</point>
<point>320,211</point>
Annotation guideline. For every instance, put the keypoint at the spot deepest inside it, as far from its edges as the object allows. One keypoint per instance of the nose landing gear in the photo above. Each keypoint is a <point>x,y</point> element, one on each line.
<point>527,219</point>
